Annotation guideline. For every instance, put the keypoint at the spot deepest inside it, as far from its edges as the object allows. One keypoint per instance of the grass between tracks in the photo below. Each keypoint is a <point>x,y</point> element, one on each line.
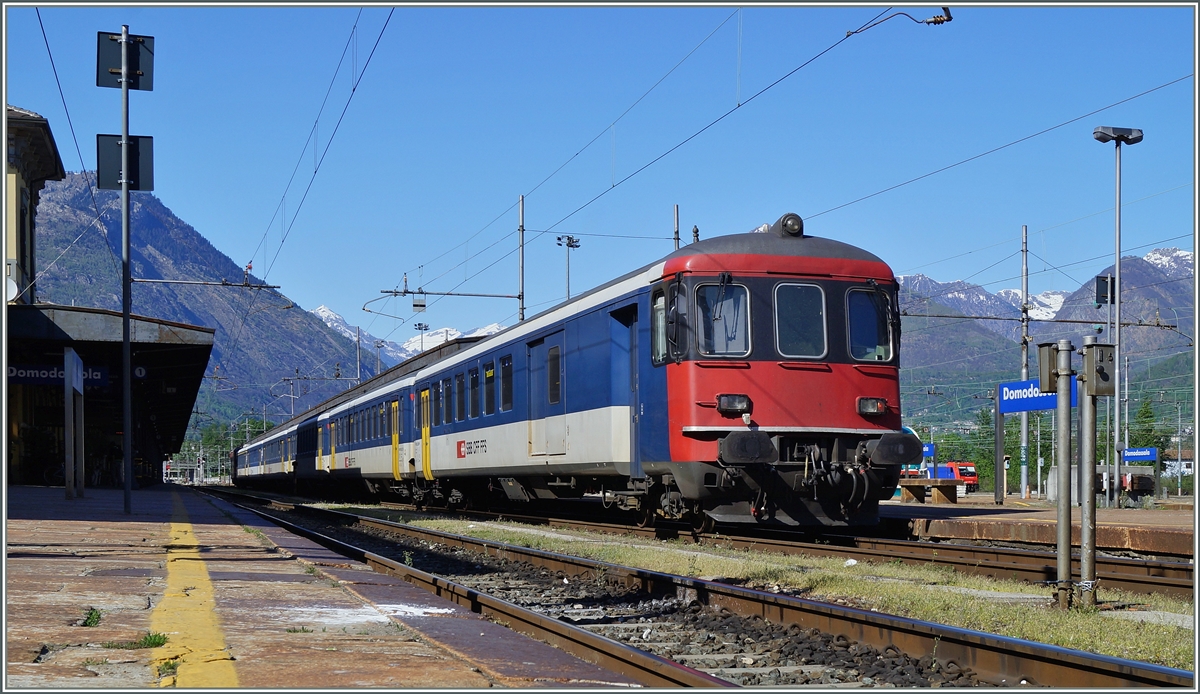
<point>929,593</point>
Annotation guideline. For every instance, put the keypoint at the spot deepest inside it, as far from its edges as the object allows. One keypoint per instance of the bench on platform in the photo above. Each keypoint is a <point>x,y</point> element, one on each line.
<point>944,491</point>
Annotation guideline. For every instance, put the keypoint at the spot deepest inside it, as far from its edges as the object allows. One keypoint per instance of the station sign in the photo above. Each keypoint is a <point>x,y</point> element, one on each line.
<point>36,374</point>
<point>1025,396</point>
<point>929,450</point>
<point>1133,455</point>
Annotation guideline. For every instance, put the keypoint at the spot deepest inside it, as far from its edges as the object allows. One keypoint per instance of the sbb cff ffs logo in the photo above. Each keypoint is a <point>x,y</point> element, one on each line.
<point>466,448</point>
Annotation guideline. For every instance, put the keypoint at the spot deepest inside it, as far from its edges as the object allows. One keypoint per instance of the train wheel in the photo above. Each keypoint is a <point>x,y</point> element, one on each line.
<point>701,521</point>
<point>646,515</point>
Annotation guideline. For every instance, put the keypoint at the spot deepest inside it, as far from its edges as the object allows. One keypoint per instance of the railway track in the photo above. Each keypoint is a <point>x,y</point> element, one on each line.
<point>760,638</point>
<point>1133,575</point>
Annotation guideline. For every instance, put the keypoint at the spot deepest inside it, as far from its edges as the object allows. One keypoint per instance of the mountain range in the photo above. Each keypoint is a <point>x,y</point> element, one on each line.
<point>272,357</point>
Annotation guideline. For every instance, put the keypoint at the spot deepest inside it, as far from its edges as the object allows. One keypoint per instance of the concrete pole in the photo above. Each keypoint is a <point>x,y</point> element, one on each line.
<point>1024,357</point>
<point>1087,477</point>
<point>1062,458</point>
<point>126,283</point>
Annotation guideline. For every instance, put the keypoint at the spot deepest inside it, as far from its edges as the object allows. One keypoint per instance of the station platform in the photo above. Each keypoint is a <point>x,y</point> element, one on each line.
<point>241,602</point>
<point>1166,532</point>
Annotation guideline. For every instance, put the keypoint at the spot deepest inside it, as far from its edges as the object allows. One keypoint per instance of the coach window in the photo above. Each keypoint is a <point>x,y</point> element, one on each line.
<point>473,375</point>
<point>724,313</point>
<point>489,388</point>
<point>870,333</point>
<point>800,320</point>
<point>437,404</point>
<point>460,397</point>
<point>658,330</point>
<point>448,398</point>
<point>506,384</point>
<point>553,376</point>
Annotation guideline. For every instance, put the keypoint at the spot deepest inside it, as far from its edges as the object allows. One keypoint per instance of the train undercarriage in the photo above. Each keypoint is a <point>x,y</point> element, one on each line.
<point>813,481</point>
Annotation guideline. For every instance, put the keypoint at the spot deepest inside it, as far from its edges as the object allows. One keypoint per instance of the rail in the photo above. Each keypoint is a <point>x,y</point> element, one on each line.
<point>998,659</point>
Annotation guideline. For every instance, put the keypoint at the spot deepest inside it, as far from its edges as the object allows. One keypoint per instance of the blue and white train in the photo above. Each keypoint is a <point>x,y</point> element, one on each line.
<point>745,378</point>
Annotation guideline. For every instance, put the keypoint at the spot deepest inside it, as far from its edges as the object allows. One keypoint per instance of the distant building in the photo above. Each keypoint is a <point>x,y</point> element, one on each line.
<point>169,359</point>
<point>32,160</point>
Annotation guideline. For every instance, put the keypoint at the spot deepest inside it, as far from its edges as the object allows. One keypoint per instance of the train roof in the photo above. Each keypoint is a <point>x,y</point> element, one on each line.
<point>769,243</point>
<point>767,240</point>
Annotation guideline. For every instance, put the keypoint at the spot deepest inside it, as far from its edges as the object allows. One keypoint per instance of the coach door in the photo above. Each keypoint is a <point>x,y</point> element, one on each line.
<point>394,428</point>
<point>332,445</point>
<point>547,401</point>
<point>426,453</point>
<point>624,360</point>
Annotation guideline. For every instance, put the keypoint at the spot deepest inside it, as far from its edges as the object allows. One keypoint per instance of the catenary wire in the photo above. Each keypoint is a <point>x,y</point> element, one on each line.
<point>78,151</point>
<point>312,179</point>
<point>1001,147</point>
<point>586,146</point>
<point>655,160</point>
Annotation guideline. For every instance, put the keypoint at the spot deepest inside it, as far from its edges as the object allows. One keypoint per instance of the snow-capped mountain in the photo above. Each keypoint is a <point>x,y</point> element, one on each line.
<point>392,353</point>
<point>1042,306</point>
<point>918,292</point>
<point>1175,263</point>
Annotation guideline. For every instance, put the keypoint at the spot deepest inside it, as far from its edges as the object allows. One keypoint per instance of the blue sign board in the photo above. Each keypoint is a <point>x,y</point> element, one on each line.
<point>1024,396</point>
<point>1149,455</point>
<point>929,450</point>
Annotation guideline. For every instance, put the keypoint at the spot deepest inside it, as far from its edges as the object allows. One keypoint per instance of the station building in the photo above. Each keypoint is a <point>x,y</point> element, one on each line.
<point>169,358</point>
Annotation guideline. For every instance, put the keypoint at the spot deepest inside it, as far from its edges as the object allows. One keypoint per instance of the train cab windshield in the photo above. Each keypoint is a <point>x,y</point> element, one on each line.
<point>724,317</point>
<point>869,323</point>
<point>800,320</point>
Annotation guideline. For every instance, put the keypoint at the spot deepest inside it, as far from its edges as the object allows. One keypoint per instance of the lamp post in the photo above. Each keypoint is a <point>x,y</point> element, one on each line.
<point>422,327</point>
<point>570,242</point>
<point>378,344</point>
<point>1129,136</point>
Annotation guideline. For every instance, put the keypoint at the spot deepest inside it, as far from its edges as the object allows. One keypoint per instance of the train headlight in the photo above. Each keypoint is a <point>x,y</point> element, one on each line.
<point>872,406</point>
<point>733,405</point>
<point>789,225</point>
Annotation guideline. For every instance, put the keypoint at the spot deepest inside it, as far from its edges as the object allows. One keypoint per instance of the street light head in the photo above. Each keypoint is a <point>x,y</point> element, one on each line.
<point>1125,136</point>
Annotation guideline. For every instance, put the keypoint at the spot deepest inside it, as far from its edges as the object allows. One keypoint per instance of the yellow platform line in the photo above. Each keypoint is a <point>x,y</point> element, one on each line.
<point>187,614</point>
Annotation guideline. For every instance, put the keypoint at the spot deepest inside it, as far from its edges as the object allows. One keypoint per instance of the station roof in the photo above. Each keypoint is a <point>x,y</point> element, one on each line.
<point>169,361</point>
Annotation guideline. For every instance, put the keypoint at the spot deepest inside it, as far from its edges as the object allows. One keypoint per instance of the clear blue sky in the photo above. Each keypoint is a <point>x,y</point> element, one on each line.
<point>461,110</point>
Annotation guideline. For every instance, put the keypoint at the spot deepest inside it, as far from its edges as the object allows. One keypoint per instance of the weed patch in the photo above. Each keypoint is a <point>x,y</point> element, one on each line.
<point>299,630</point>
<point>91,618</point>
<point>168,668</point>
<point>152,639</point>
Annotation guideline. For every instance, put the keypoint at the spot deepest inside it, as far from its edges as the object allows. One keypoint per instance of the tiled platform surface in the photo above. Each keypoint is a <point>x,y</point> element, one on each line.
<point>243,604</point>
<point>977,517</point>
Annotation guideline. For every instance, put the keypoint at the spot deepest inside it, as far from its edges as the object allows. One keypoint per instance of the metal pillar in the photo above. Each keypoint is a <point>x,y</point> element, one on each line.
<point>1087,479</point>
<point>1024,357</point>
<point>126,284</point>
<point>677,227</point>
<point>521,261</point>
<point>1062,458</point>
<point>1001,474</point>
<point>1111,497</point>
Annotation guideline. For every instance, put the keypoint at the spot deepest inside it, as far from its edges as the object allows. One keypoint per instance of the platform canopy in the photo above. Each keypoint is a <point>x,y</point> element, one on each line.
<point>169,361</point>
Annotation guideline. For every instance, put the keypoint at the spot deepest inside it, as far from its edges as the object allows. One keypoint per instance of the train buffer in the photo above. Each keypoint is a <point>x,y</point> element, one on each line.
<point>941,491</point>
